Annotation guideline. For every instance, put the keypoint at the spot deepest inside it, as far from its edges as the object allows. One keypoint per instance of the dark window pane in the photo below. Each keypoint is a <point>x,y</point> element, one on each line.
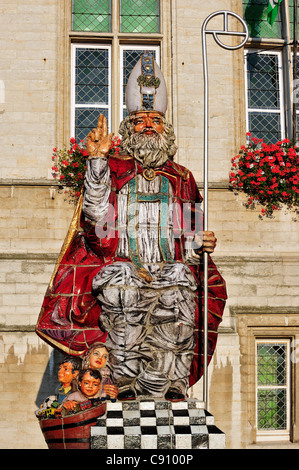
<point>272,368</point>
<point>271,364</point>
<point>92,76</point>
<point>91,94</point>
<point>86,119</point>
<point>265,126</point>
<point>263,81</point>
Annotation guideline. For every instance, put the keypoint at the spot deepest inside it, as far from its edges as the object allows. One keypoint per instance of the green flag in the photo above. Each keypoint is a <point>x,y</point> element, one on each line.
<point>273,6</point>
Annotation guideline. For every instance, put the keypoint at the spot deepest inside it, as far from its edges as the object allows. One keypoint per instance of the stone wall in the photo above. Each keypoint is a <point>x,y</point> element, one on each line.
<point>31,236</point>
<point>28,70</point>
<point>258,258</point>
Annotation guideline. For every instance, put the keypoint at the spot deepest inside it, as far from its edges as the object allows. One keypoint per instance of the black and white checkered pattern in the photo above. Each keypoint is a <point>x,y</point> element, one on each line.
<point>156,424</point>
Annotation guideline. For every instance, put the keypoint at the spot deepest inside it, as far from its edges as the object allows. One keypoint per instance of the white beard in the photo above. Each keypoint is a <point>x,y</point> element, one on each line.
<point>150,150</point>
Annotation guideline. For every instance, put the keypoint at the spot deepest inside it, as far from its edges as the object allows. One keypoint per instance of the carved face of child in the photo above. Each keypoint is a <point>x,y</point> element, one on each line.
<point>89,385</point>
<point>98,358</point>
<point>66,374</point>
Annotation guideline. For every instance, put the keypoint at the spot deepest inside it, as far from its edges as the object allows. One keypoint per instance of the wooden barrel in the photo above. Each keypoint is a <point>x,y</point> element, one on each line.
<point>73,431</point>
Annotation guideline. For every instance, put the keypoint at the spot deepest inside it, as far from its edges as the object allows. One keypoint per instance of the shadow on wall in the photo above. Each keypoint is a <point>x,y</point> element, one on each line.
<point>221,398</point>
<point>49,381</point>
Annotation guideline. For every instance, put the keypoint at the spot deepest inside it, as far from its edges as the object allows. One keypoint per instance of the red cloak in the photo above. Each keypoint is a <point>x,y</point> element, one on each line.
<point>68,320</point>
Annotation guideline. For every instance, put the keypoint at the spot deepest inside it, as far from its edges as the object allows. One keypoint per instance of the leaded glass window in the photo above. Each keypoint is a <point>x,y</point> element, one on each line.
<point>91,15</point>
<point>272,377</point>
<point>129,56</point>
<point>264,96</point>
<point>139,16</point>
<point>264,121</point>
<point>101,66</point>
<point>91,87</point>
<point>255,15</point>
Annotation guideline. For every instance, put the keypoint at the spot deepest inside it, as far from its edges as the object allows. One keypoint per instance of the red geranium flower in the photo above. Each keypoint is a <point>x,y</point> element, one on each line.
<point>268,174</point>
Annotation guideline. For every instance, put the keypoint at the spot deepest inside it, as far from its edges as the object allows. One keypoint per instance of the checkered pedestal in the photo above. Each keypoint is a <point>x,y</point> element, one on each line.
<point>156,424</point>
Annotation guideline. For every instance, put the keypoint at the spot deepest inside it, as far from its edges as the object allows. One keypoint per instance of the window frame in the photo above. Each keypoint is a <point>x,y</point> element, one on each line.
<point>271,434</point>
<point>281,111</point>
<point>116,40</point>
<point>74,47</point>
<point>285,47</point>
<point>271,322</point>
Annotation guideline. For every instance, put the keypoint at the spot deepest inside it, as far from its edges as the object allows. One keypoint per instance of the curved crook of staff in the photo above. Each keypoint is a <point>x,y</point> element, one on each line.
<point>217,33</point>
